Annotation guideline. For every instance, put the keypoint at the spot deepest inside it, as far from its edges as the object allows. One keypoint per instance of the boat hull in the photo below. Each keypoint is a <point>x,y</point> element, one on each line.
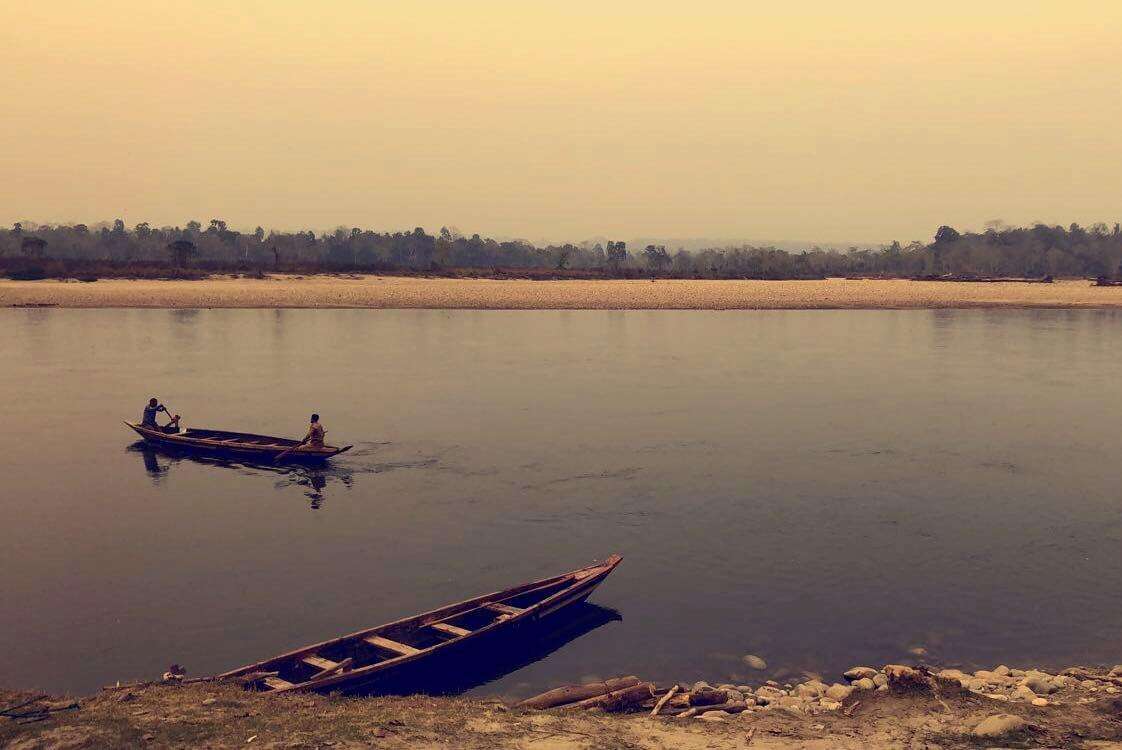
<point>562,592</point>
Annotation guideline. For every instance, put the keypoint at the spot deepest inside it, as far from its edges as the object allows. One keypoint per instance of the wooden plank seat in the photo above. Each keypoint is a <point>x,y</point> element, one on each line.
<point>276,683</point>
<point>319,662</point>
<point>444,627</point>
<point>503,608</point>
<point>385,643</point>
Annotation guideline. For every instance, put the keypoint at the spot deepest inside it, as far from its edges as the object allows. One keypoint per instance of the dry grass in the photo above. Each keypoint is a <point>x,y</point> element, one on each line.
<point>442,293</point>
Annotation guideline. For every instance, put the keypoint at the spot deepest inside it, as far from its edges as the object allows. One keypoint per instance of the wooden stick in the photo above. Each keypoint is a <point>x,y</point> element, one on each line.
<point>731,708</point>
<point>663,700</point>
<point>1083,674</point>
<point>616,699</point>
<point>21,705</point>
<point>571,693</point>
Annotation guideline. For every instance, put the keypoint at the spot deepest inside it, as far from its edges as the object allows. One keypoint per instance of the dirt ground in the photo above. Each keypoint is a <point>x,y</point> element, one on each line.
<point>220,716</point>
<point>442,293</point>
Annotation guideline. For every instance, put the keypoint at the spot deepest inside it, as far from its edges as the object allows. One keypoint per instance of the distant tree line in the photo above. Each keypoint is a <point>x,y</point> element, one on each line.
<point>1035,251</point>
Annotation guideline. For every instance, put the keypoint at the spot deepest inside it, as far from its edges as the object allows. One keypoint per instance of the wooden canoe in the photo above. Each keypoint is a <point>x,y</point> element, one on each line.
<point>375,654</point>
<point>242,444</point>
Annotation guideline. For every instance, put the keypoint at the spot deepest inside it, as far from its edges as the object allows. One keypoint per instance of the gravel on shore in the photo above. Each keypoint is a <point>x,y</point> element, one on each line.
<point>524,294</point>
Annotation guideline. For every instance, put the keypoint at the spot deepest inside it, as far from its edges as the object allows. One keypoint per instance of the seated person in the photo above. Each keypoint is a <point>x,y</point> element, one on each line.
<point>149,419</point>
<point>315,433</point>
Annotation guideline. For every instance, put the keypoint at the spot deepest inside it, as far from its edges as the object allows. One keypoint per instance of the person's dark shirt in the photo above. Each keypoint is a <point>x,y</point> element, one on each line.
<point>150,413</point>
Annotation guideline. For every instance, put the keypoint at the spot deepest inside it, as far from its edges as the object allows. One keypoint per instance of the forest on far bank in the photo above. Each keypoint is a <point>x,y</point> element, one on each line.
<point>40,251</point>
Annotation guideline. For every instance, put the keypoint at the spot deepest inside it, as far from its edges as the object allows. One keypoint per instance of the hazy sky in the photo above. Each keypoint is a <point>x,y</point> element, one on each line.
<point>863,121</point>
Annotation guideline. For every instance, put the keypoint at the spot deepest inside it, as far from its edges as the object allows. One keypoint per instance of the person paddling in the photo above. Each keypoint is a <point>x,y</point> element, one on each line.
<point>315,434</point>
<point>314,438</point>
<point>154,407</point>
<point>149,419</point>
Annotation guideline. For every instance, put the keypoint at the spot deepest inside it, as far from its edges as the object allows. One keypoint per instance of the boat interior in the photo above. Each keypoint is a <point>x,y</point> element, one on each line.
<point>239,437</point>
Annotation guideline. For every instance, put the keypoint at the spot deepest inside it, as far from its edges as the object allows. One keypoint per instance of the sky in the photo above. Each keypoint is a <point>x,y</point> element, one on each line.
<point>807,121</point>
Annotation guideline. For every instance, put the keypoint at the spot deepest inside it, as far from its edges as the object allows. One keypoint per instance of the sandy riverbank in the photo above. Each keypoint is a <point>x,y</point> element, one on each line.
<point>910,709</point>
<point>513,294</point>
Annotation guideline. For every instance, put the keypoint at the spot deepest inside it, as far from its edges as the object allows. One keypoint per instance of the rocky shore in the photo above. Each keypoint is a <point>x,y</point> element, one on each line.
<point>895,706</point>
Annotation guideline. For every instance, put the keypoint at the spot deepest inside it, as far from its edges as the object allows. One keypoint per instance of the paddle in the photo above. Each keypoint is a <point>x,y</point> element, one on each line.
<point>284,453</point>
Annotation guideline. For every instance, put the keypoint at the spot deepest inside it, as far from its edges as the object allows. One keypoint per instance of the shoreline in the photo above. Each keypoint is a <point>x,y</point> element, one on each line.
<point>405,292</point>
<point>891,707</point>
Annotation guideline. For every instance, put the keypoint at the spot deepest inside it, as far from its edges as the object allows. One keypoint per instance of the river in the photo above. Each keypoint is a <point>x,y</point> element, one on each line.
<point>819,488</point>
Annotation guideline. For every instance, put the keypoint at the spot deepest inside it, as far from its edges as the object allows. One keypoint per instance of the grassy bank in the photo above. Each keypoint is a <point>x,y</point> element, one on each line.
<point>527,294</point>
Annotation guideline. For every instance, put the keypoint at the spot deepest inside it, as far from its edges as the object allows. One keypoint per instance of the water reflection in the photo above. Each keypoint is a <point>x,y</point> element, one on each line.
<point>486,663</point>
<point>313,479</point>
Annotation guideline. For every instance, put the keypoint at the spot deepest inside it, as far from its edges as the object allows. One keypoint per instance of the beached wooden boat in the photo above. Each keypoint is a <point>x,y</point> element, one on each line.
<point>373,655</point>
<point>242,444</point>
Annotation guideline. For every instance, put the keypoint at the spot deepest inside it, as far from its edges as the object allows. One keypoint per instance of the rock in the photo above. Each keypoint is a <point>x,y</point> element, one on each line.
<point>773,683</point>
<point>811,689</point>
<point>829,705</point>
<point>1089,685</point>
<point>996,696</point>
<point>880,680</point>
<point>701,685</point>
<point>1111,689</point>
<point>1023,693</point>
<point>1016,673</point>
<point>904,679</point>
<point>955,674</point>
<point>838,692</point>
<point>746,689</point>
<point>1039,683</point>
<point>977,685</point>
<point>125,696</point>
<point>732,695</point>
<point>864,684</point>
<point>1116,670</point>
<point>726,686</point>
<point>1001,670</point>
<point>713,716</point>
<point>1060,682</point>
<point>858,673</point>
<point>755,662</point>
<point>767,694</point>
<point>999,725</point>
<point>209,701</point>
<point>1040,702</point>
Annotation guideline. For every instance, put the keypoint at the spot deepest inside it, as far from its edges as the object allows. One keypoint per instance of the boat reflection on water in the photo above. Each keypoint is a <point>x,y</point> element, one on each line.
<point>314,479</point>
<point>456,673</point>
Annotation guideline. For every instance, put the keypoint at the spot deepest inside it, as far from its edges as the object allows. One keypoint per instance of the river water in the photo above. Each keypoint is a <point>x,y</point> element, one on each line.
<point>819,488</point>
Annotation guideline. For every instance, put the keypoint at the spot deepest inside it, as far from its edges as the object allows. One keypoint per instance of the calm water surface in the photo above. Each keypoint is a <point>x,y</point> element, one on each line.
<point>821,488</point>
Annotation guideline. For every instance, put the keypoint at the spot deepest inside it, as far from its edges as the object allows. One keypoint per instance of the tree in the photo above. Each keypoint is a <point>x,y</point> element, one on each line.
<point>194,227</point>
<point>657,257</point>
<point>563,254</point>
<point>32,247</point>
<point>617,255</point>
<point>946,235</point>
<point>181,251</point>
<point>142,230</point>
